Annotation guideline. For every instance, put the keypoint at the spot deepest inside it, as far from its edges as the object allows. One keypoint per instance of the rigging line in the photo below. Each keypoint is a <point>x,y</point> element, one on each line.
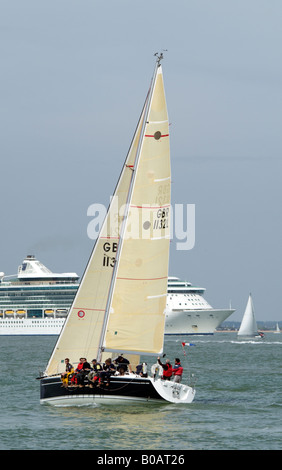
<point>123,386</point>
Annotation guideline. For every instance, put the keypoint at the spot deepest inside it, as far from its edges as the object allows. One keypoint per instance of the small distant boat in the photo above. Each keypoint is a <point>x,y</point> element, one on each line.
<point>248,327</point>
<point>277,329</point>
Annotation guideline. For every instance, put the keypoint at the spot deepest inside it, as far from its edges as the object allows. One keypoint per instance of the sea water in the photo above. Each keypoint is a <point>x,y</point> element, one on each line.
<point>238,403</point>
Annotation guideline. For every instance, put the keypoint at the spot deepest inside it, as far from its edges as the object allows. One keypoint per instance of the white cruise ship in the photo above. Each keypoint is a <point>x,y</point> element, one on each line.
<point>188,313</point>
<point>36,301</point>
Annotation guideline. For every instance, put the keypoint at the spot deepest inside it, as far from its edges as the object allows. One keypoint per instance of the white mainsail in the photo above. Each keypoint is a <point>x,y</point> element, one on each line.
<point>120,304</point>
<point>137,312</point>
<point>248,325</point>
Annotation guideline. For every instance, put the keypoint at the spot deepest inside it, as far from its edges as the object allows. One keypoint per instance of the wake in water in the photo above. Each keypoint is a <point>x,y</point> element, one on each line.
<point>213,340</point>
<point>251,341</point>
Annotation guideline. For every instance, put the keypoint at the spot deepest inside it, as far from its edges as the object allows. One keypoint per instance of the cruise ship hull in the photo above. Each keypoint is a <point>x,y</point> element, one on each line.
<point>30,326</point>
<point>195,322</point>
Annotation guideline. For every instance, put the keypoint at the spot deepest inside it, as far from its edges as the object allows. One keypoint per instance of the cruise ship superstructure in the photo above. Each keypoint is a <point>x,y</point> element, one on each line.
<point>36,301</point>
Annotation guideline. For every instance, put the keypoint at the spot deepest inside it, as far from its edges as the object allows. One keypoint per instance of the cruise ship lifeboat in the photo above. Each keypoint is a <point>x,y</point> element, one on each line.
<point>9,313</point>
<point>61,312</point>
<point>49,313</point>
<point>21,313</point>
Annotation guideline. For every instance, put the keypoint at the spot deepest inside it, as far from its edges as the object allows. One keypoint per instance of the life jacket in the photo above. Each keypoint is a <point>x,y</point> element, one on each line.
<point>178,369</point>
<point>79,367</point>
<point>168,371</point>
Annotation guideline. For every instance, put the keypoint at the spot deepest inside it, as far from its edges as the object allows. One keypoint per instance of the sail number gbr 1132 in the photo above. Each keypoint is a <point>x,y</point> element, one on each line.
<point>162,219</point>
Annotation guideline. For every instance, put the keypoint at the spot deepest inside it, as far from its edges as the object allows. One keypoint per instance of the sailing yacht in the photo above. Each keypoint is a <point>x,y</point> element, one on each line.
<point>248,327</point>
<point>120,304</point>
<point>277,329</point>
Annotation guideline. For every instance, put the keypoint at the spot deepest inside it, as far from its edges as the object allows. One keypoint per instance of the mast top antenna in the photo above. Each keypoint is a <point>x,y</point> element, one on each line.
<point>159,56</point>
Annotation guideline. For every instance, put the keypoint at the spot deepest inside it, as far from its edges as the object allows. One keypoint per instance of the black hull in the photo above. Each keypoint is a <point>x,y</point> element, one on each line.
<point>119,388</point>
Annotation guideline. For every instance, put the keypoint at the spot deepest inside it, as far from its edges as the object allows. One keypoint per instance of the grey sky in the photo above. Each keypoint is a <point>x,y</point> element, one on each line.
<point>74,75</point>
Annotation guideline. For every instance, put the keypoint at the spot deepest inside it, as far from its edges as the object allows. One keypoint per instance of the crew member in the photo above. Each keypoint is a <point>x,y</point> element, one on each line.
<point>167,369</point>
<point>177,370</point>
<point>122,362</point>
<point>68,371</point>
<point>83,371</point>
<point>93,375</point>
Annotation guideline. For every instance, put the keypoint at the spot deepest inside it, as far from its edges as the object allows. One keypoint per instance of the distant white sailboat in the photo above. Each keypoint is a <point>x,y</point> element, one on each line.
<point>248,327</point>
<point>277,330</point>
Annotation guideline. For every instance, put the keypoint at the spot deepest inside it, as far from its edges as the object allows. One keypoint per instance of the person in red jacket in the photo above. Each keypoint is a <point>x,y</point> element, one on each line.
<point>167,369</point>
<point>177,370</point>
<point>81,366</point>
